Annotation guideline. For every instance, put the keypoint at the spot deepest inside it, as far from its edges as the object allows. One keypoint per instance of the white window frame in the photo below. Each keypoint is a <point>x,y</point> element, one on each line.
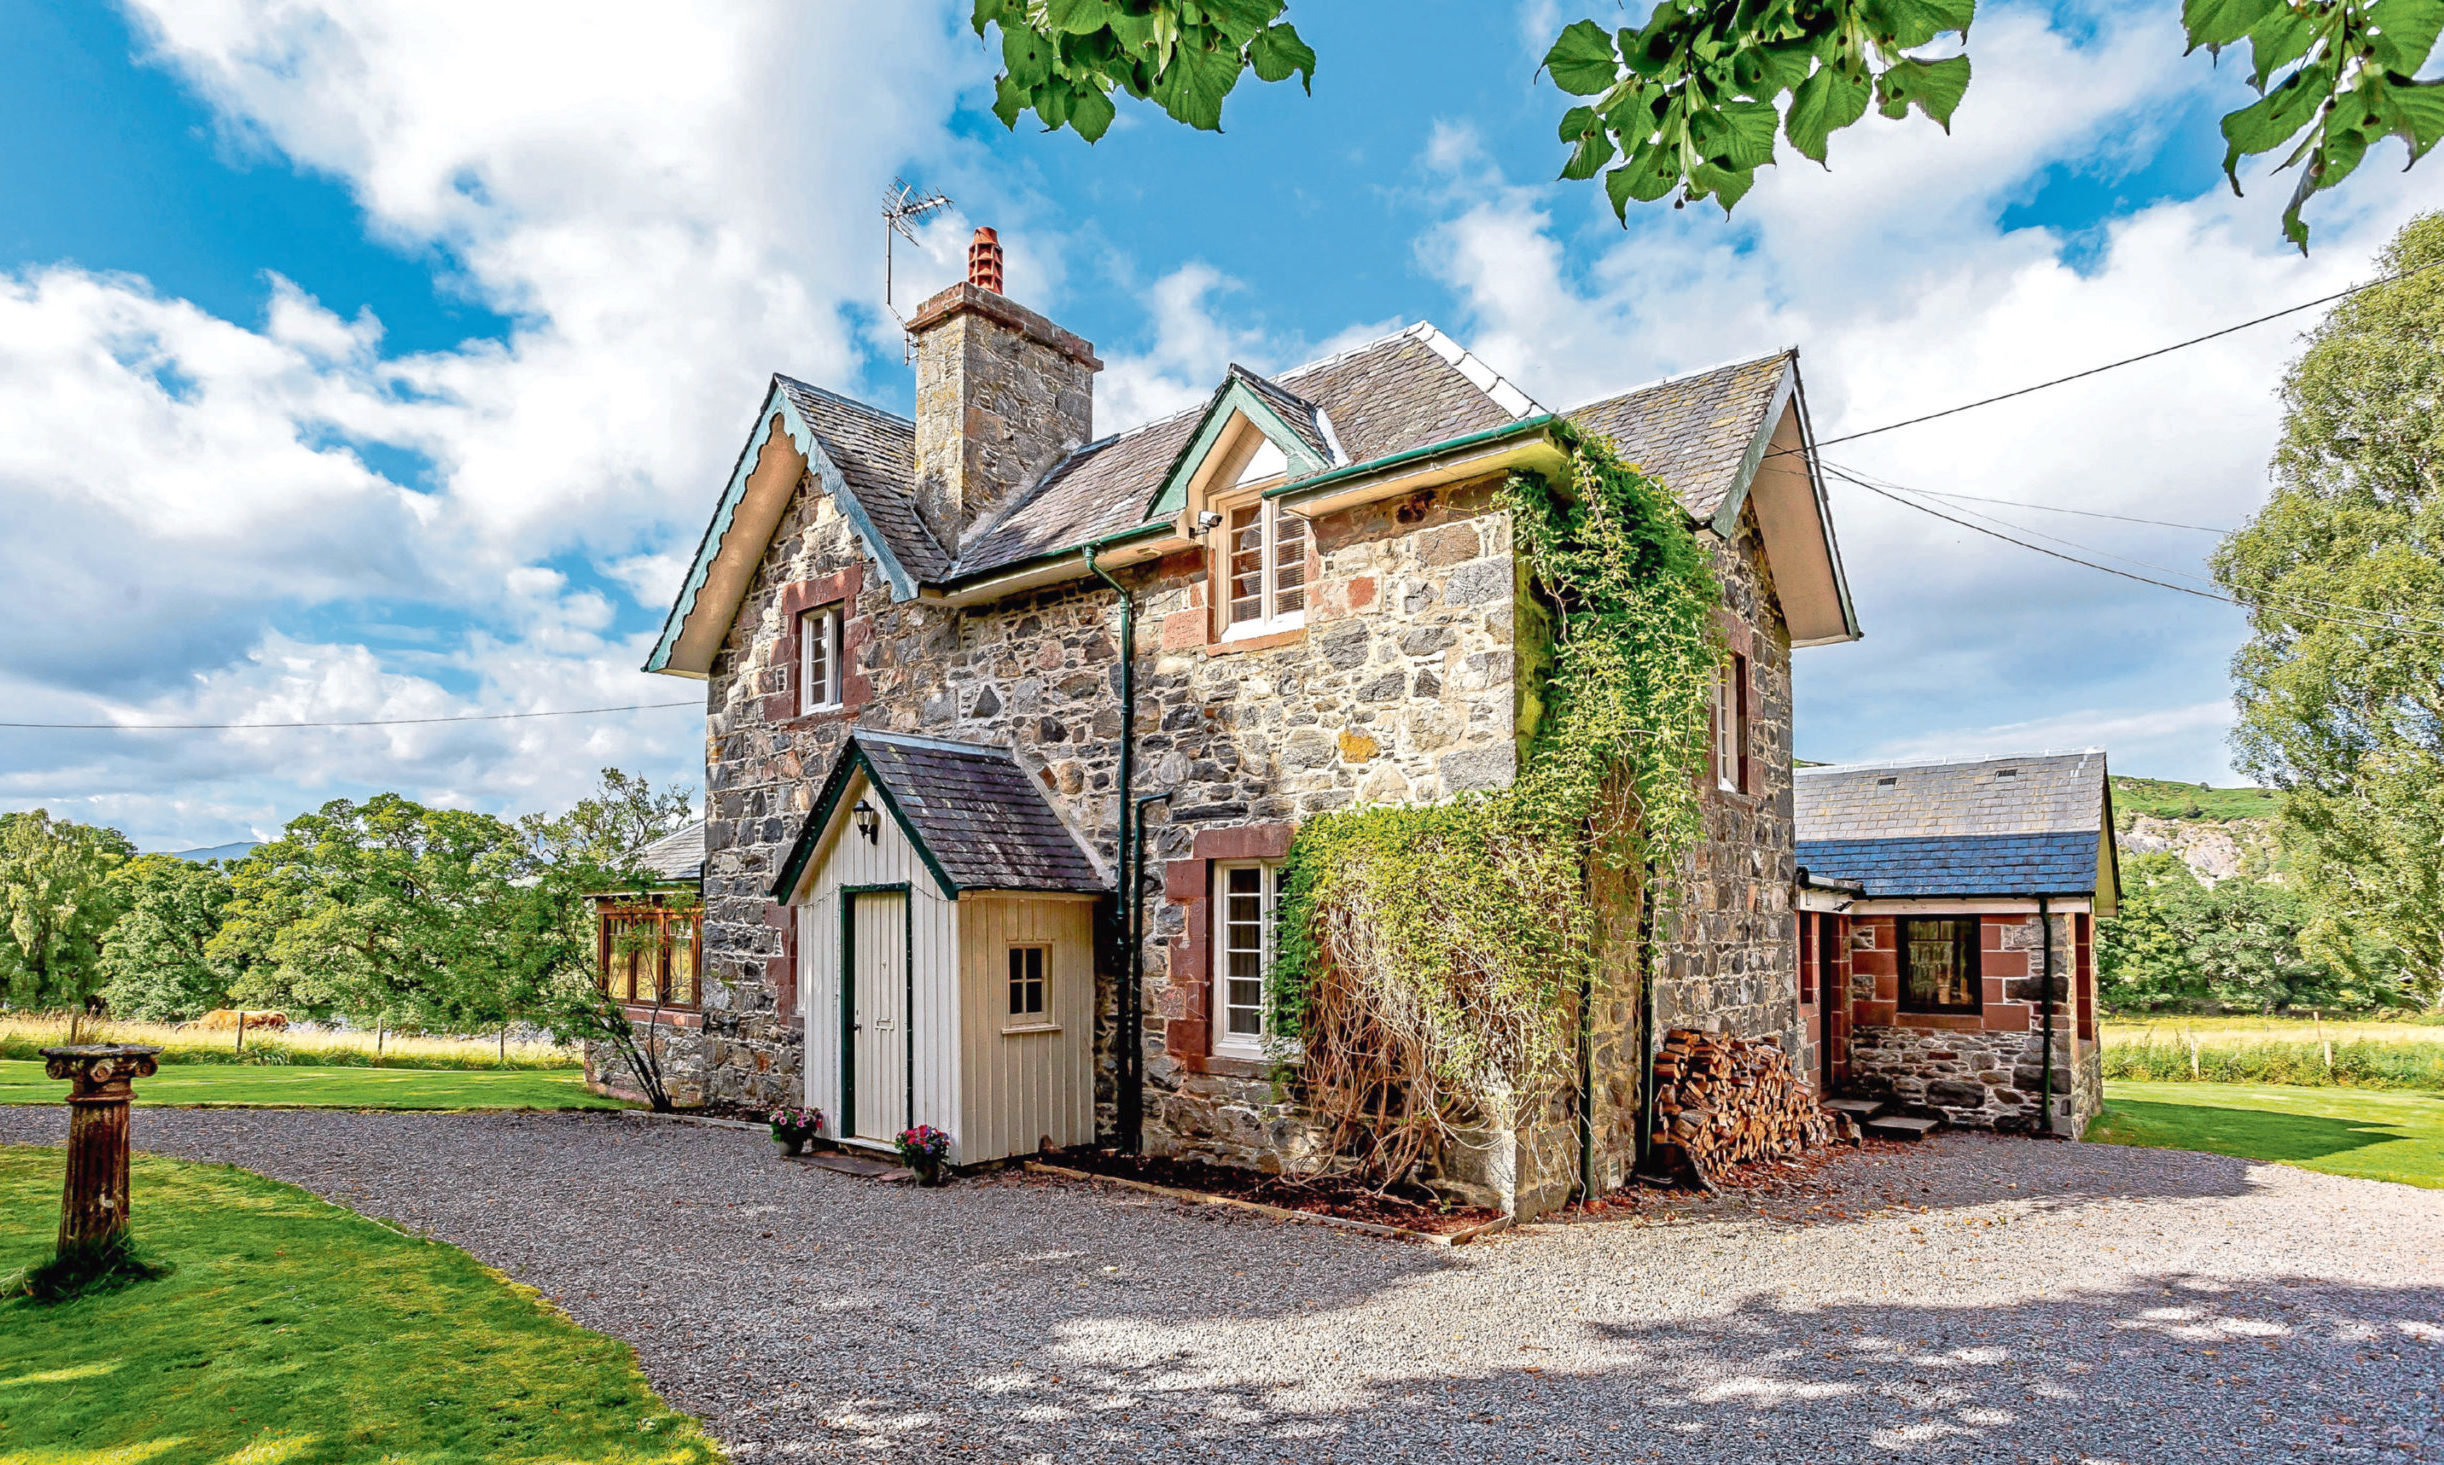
<point>1225,1043</point>
<point>819,682</point>
<point>1017,979</point>
<point>1271,619</point>
<point>1730,726</point>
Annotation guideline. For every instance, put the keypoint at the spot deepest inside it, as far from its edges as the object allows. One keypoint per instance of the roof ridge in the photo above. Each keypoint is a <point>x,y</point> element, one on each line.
<point>1789,352</point>
<point>843,399</point>
<point>1494,384</point>
<point>1952,762</point>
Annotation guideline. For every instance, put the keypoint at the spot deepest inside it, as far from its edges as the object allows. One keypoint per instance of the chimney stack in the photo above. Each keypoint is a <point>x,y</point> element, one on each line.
<point>1002,395</point>
<point>984,260</point>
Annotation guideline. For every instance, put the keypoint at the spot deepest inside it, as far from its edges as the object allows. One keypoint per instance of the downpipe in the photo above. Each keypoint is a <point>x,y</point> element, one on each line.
<point>1132,1054</point>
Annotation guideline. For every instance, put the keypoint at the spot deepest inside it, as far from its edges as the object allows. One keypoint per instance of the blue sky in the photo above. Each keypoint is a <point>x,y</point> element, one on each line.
<point>356,361</point>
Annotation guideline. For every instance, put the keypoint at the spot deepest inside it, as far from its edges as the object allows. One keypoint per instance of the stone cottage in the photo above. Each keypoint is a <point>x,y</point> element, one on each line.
<point>1947,935</point>
<point>1009,724</point>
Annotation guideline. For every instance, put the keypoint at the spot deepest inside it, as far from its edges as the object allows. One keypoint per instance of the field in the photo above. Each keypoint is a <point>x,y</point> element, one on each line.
<point>21,1036</point>
<point>298,1331</point>
<point>311,1087</point>
<point>2376,1136</point>
<point>2164,799</point>
<point>2261,1050</point>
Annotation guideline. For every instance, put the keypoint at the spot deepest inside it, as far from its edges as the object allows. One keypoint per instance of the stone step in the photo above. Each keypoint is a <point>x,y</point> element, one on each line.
<point>1861,1110</point>
<point>1901,1126</point>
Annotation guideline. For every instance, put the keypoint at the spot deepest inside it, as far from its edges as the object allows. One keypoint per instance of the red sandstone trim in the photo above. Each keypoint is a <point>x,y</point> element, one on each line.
<point>1188,883</point>
<point>842,587</point>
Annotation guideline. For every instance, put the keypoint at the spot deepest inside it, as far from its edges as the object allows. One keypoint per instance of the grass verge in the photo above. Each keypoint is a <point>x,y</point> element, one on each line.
<point>2169,1057</point>
<point>2372,1135</point>
<point>297,1331</point>
<point>329,1088</point>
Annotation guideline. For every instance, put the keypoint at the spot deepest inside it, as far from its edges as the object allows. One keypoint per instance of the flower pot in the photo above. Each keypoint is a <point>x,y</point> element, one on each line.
<point>928,1170</point>
<point>789,1144</point>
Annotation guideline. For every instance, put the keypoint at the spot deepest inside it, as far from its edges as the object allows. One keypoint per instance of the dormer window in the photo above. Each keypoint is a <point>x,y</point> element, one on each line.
<point>819,659</point>
<point>1263,571</point>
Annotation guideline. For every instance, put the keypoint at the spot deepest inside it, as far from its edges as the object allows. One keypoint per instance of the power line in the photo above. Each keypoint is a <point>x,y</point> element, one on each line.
<point>354,722</point>
<point>2364,617</point>
<point>1907,503</point>
<point>2066,509</point>
<point>2127,360</point>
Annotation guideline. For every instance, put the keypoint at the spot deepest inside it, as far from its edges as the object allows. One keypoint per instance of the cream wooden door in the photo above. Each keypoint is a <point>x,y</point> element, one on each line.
<point>878,1039</point>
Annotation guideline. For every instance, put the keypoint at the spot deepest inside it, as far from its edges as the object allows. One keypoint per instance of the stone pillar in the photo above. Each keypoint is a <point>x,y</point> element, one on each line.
<point>93,1206</point>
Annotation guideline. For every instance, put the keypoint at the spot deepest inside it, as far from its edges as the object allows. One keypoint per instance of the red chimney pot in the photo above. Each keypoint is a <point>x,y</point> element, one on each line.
<point>984,261</point>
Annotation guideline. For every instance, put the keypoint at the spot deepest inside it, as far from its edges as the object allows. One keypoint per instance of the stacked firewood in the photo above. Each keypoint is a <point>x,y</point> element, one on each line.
<point>1722,1101</point>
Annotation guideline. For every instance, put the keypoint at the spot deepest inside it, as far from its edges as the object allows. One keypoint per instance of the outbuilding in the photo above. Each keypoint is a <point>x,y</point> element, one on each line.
<point>1947,935</point>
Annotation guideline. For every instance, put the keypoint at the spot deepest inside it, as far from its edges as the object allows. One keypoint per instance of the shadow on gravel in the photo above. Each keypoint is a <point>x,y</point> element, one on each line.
<point>2174,1370</point>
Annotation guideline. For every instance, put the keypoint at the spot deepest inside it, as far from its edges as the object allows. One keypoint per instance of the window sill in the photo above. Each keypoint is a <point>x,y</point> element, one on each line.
<point>1264,641</point>
<point>644,1014</point>
<point>1023,1029</point>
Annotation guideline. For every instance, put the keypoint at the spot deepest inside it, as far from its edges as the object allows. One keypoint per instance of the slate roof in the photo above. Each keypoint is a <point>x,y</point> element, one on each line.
<point>1386,397</point>
<point>977,817</point>
<point>1988,826</point>
<point>1692,432</point>
<point>678,856</point>
<point>1303,416</point>
<point>876,454</point>
<point>1974,864</point>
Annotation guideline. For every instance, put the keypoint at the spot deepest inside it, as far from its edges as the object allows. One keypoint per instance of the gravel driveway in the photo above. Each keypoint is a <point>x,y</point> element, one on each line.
<point>1973,1299</point>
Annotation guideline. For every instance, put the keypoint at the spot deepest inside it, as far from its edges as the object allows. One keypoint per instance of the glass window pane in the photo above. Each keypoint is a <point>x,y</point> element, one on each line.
<point>1289,564</point>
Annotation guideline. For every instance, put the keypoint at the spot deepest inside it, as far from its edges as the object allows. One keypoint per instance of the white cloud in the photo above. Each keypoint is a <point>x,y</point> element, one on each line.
<point>1905,293</point>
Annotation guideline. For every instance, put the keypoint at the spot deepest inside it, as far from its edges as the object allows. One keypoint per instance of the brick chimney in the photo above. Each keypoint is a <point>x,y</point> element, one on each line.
<point>1002,394</point>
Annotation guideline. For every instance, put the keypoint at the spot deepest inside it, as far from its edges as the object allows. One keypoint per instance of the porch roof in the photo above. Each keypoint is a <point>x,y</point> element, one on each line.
<point>976,818</point>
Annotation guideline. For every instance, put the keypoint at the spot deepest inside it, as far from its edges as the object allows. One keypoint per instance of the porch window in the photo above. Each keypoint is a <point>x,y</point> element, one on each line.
<point>1027,982</point>
<point>649,954</point>
<point>1247,902</point>
<point>1731,726</point>
<point>1264,570</point>
<point>1939,966</point>
<point>819,659</point>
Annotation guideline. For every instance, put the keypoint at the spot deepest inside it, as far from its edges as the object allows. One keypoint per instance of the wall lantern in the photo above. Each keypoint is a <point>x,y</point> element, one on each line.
<point>869,822</point>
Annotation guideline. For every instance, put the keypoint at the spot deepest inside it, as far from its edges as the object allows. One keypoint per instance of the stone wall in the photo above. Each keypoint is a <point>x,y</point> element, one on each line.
<point>1983,1070</point>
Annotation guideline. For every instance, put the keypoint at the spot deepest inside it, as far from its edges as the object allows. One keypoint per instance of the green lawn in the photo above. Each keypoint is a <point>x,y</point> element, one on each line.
<point>300,1332</point>
<point>330,1088</point>
<point>2375,1134</point>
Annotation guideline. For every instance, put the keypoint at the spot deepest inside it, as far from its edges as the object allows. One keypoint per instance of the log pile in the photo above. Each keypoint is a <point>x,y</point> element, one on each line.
<point>1722,1101</point>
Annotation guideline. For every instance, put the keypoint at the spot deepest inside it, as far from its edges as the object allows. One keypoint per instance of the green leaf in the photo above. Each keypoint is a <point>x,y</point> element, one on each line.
<point>1091,112</point>
<point>1240,20</point>
<point>987,12</point>
<point>1743,136</point>
<point>1648,175</point>
<point>1079,17</point>
<point>2274,118</point>
<point>2283,37</point>
<point>1202,72</point>
<point>1589,157</point>
<point>1051,103</point>
<point>2214,23</point>
<point>1901,25</point>
<point>1933,87</point>
<point>1578,122</point>
<point>1278,51</point>
<point>1824,104</point>
<point>2416,110</point>
<point>1728,185</point>
<point>2405,33</point>
<point>1582,62</point>
<point>1009,100</point>
<point>1027,54</point>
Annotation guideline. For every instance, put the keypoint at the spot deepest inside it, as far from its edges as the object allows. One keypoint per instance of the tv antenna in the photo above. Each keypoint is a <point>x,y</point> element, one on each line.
<point>902,208</point>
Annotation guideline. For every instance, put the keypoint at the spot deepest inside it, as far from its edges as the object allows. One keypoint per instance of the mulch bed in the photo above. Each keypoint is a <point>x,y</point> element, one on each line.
<point>1407,1207</point>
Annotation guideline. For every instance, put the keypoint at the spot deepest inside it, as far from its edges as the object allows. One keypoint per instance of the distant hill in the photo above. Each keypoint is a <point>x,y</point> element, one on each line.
<point>237,851</point>
<point>2162,798</point>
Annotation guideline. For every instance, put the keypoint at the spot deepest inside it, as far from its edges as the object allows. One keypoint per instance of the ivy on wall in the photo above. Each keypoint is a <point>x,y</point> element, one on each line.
<point>1429,954</point>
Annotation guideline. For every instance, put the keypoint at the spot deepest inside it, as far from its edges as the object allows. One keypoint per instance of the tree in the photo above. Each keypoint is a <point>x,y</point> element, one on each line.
<point>2341,685</point>
<point>391,911</point>
<point>156,961</point>
<point>1691,102</point>
<point>612,825</point>
<point>2240,945</point>
<point>56,898</point>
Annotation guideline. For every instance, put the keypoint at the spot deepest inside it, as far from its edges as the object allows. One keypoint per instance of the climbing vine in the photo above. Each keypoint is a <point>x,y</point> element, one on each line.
<point>1429,954</point>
